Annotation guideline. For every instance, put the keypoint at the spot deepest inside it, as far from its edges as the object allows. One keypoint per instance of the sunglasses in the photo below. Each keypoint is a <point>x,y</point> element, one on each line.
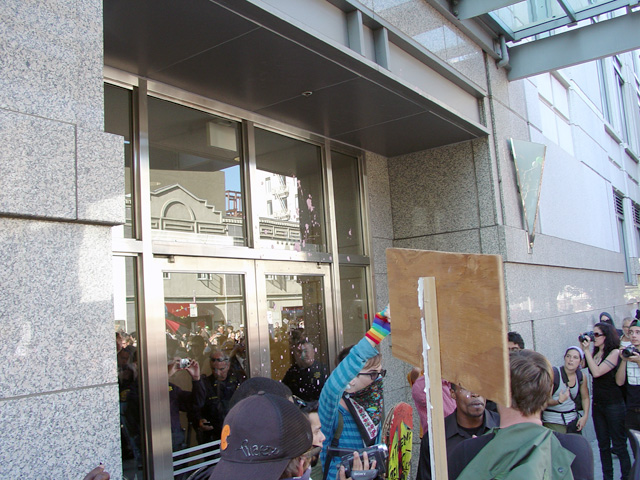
<point>374,375</point>
<point>300,403</point>
<point>596,334</point>
<point>223,359</point>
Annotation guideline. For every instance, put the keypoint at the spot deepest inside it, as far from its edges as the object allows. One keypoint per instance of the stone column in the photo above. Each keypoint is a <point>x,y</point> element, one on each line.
<point>61,190</point>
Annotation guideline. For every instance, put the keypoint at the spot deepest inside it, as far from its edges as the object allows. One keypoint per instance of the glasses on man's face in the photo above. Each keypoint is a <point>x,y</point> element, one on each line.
<point>219,359</point>
<point>596,334</point>
<point>374,375</point>
<point>300,403</point>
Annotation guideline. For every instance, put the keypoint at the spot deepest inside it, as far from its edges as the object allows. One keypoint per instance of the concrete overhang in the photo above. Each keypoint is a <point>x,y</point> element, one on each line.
<point>371,87</point>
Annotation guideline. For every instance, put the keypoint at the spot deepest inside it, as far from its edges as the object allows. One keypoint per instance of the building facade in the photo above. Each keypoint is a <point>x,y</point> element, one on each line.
<point>197,166</point>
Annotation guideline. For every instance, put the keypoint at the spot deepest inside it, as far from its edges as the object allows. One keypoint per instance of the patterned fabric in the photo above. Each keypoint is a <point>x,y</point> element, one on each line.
<point>330,409</point>
<point>368,404</point>
<point>380,328</point>
<point>633,373</point>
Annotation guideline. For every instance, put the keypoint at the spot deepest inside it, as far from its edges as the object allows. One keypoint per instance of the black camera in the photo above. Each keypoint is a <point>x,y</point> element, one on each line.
<point>379,453</point>
<point>587,336</point>
<point>629,351</point>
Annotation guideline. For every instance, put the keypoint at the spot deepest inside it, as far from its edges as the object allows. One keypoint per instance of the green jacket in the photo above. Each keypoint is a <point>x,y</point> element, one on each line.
<point>521,452</point>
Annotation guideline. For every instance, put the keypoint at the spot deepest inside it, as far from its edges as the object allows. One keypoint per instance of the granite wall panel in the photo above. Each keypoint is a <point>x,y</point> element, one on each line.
<point>56,306</point>
<point>62,435</point>
<point>55,67</point>
<point>37,160</point>
<point>100,175</point>
<point>543,293</point>
<point>433,191</point>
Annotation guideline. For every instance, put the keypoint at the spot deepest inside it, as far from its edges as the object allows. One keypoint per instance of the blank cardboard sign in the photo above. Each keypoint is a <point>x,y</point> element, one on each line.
<point>472,317</point>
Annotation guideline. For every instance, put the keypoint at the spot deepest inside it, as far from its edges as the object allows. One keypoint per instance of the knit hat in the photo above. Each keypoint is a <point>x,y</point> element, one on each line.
<point>261,434</point>
<point>577,349</point>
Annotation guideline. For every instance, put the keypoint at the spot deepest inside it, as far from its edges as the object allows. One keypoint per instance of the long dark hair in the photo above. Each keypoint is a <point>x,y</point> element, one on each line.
<point>611,339</point>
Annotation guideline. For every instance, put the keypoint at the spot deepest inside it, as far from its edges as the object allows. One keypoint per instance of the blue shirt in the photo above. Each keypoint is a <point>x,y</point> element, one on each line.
<point>329,407</point>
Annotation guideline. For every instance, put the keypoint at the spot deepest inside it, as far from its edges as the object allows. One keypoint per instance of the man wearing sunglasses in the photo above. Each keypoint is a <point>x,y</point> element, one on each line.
<point>219,388</point>
<point>307,376</point>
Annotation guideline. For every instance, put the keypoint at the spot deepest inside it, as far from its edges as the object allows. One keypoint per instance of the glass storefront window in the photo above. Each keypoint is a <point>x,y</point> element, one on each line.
<point>196,182</point>
<point>205,324</point>
<point>355,312</point>
<point>297,333</point>
<point>346,194</point>
<point>117,120</point>
<point>126,337</point>
<point>291,208</point>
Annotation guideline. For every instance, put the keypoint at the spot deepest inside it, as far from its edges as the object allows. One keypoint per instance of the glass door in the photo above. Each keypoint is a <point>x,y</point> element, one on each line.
<point>227,320</point>
<point>295,307</point>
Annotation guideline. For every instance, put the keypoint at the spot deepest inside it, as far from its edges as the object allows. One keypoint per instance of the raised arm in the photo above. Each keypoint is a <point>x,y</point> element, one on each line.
<point>349,368</point>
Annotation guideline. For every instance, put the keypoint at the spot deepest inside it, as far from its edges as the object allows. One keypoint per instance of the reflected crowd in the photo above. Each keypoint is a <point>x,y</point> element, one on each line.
<point>205,367</point>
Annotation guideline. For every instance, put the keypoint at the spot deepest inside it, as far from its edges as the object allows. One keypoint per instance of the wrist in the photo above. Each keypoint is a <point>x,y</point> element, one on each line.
<point>380,328</point>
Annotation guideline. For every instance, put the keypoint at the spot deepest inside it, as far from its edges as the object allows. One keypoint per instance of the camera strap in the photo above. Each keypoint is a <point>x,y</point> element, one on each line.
<point>333,449</point>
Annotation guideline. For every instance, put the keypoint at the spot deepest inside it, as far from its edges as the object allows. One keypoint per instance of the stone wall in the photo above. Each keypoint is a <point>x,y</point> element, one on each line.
<point>61,189</point>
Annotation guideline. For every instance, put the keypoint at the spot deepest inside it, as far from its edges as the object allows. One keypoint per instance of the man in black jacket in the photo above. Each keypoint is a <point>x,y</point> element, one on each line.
<point>469,419</point>
<point>219,388</point>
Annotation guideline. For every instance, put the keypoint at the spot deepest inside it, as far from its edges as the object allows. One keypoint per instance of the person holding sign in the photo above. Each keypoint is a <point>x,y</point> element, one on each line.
<point>522,448</point>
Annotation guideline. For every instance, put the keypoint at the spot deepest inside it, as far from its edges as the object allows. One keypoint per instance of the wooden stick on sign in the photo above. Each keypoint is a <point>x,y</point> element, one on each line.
<point>433,380</point>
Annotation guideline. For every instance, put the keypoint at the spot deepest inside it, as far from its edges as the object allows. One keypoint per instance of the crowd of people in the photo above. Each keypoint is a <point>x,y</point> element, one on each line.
<point>344,411</point>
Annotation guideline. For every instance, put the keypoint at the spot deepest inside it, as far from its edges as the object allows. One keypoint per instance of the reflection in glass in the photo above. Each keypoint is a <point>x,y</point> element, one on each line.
<point>346,194</point>
<point>126,337</point>
<point>297,333</point>
<point>355,312</point>
<point>196,182</point>
<point>291,210</point>
<point>205,330</point>
<point>117,120</point>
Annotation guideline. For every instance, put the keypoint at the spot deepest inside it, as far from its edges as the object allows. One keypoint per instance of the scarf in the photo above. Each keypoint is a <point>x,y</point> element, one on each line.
<point>366,407</point>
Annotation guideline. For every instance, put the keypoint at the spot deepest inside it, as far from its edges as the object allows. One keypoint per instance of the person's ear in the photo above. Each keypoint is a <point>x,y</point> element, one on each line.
<point>452,393</point>
<point>300,467</point>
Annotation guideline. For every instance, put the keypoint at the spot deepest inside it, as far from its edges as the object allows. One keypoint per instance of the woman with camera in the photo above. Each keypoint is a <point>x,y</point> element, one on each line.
<point>350,405</point>
<point>608,402</point>
<point>570,395</point>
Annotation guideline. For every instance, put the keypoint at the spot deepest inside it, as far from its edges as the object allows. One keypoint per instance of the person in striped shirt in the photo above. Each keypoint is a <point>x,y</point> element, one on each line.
<point>351,405</point>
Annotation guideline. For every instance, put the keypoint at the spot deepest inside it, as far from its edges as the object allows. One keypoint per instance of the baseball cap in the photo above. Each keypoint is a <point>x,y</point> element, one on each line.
<point>256,385</point>
<point>261,434</point>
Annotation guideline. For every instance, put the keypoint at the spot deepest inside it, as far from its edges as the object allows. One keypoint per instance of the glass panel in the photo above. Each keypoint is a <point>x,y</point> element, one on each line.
<point>196,179</point>
<point>205,319</point>
<point>346,194</point>
<point>117,120</point>
<point>290,173</point>
<point>578,5</point>
<point>126,325</point>
<point>355,311</point>
<point>528,13</point>
<point>297,333</point>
